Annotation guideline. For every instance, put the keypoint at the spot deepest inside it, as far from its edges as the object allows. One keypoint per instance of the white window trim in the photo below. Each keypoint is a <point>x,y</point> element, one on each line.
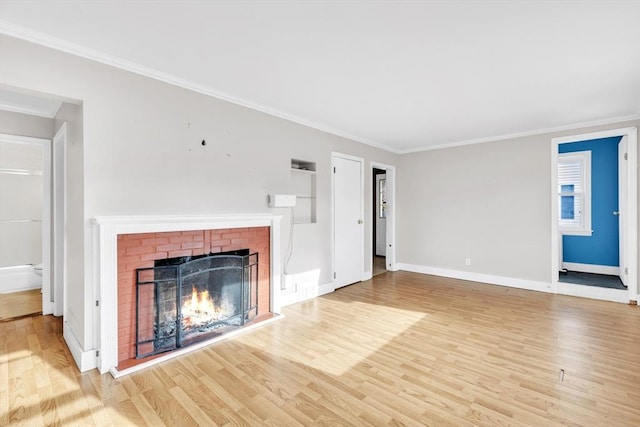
<point>585,227</point>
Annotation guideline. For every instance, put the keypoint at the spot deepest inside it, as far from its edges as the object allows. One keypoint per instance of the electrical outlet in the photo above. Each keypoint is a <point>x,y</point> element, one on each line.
<point>467,261</point>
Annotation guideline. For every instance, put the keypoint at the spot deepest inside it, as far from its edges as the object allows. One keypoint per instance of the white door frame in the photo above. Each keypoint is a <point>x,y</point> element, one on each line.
<point>623,150</point>
<point>360,258</point>
<point>47,304</point>
<point>631,217</point>
<point>58,211</point>
<point>391,214</point>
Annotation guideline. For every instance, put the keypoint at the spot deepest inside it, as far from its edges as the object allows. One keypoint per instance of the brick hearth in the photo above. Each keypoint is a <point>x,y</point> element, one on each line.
<point>142,249</point>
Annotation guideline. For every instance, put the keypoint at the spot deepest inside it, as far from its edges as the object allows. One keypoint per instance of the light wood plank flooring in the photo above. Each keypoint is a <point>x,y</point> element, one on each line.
<point>400,349</point>
<point>19,304</point>
<point>379,266</point>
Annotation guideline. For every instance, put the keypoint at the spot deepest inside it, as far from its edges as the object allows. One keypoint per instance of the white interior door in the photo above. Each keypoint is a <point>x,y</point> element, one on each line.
<point>47,263</point>
<point>622,207</point>
<point>348,220</point>
<point>58,199</point>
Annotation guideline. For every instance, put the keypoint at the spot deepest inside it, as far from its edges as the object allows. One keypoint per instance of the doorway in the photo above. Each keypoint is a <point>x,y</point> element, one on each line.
<point>379,221</point>
<point>25,177</point>
<point>32,196</point>
<point>594,218</point>
<point>382,218</point>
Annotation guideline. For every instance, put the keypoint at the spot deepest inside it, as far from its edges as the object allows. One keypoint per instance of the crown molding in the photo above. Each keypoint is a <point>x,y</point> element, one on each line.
<point>575,126</point>
<point>42,39</point>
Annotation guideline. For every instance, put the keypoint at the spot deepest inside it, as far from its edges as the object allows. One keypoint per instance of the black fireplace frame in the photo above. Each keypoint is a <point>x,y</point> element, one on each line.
<point>168,271</point>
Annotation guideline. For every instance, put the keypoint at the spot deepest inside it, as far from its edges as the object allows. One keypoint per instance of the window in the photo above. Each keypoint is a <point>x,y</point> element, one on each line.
<point>574,193</point>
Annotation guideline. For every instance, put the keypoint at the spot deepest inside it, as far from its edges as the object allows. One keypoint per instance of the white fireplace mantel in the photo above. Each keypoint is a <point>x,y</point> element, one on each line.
<point>107,229</point>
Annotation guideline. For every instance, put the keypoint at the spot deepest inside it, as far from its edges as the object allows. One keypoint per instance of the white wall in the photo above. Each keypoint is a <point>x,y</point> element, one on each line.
<point>142,154</point>
<point>489,202</point>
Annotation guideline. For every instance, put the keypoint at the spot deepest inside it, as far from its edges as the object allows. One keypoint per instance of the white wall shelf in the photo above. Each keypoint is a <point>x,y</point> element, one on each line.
<point>303,185</point>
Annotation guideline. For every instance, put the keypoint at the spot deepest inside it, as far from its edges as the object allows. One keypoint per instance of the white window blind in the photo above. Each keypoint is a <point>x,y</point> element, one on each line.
<point>574,198</point>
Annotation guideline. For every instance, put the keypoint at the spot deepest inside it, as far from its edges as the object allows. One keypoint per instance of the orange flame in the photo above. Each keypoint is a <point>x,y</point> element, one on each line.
<point>201,309</point>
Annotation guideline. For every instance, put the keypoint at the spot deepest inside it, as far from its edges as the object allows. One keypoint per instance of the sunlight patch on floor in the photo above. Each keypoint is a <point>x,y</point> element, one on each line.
<point>336,349</point>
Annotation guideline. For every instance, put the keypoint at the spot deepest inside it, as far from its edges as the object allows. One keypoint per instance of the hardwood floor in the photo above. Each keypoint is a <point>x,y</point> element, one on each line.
<point>379,265</point>
<point>19,304</point>
<point>400,349</point>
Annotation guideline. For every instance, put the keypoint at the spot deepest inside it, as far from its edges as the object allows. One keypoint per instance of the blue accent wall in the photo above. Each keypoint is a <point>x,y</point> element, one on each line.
<point>601,248</point>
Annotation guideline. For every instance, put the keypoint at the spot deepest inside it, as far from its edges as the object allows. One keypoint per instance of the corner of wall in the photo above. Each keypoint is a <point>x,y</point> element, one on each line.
<point>85,360</point>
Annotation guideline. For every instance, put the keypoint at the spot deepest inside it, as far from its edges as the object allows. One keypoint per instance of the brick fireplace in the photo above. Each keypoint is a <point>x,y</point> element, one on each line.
<point>143,250</point>
<point>129,243</point>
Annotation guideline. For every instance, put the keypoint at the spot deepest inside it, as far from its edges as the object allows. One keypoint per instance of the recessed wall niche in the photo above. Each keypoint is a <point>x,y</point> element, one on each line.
<point>303,185</point>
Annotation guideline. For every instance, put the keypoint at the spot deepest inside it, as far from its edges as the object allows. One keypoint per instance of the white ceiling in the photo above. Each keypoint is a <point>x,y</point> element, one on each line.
<point>404,75</point>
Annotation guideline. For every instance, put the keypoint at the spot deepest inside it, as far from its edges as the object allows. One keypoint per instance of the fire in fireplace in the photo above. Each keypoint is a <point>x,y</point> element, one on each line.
<point>184,300</point>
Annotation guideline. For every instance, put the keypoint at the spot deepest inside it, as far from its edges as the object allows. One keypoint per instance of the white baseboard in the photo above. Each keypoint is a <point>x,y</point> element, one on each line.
<point>531,285</point>
<point>288,299</point>
<point>594,292</point>
<point>605,294</point>
<point>85,360</point>
<point>591,268</point>
<point>325,289</point>
<point>367,275</point>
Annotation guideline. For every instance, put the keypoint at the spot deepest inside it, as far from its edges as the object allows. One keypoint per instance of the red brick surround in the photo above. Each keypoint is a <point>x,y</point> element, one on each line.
<point>141,250</point>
